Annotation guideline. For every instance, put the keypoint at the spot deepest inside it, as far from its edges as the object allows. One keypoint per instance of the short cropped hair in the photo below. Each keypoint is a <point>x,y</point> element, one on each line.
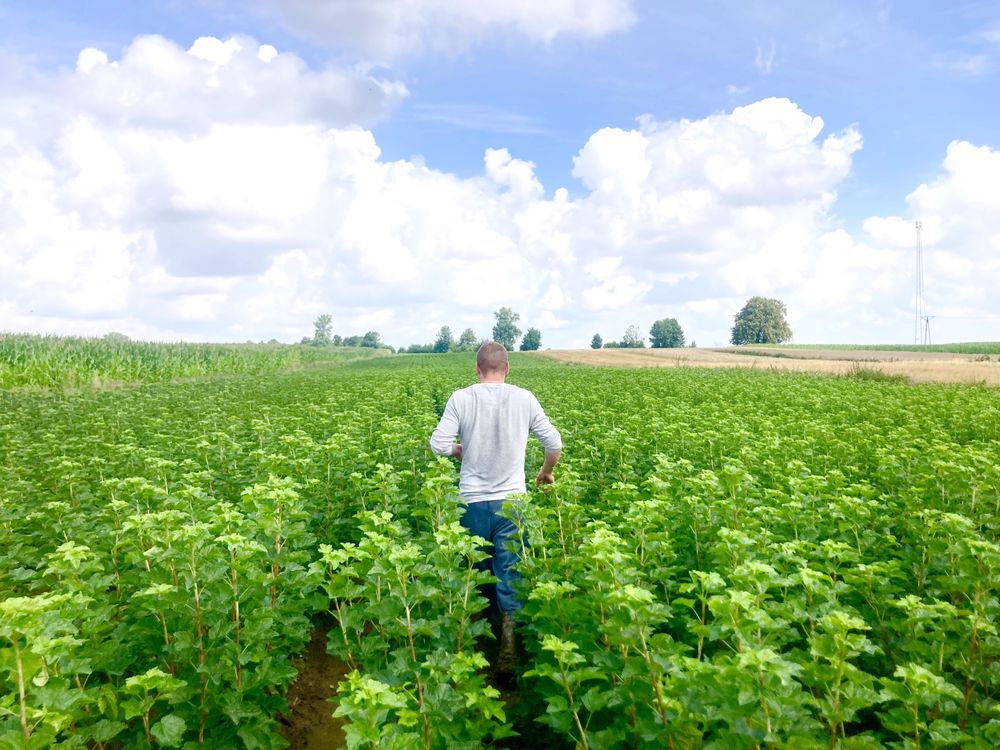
<point>491,357</point>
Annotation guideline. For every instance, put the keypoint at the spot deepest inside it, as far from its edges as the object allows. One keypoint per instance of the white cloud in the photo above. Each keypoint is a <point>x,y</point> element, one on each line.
<point>960,215</point>
<point>618,292</point>
<point>156,83</point>
<point>516,175</point>
<point>991,33</point>
<point>764,58</point>
<point>119,213</point>
<point>479,117</point>
<point>963,63</point>
<point>389,29</point>
<point>603,267</point>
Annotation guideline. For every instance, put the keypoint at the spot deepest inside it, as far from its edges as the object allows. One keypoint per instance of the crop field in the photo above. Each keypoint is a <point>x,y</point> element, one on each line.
<point>972,347</point>
<point>728,559</point>
<point>902,365</point>
<point>29,361</point>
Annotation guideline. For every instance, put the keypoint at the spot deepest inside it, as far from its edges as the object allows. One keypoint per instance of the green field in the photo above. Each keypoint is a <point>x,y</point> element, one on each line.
<point>30,361</point>
<point>972,347</point>
<point>728,559</point>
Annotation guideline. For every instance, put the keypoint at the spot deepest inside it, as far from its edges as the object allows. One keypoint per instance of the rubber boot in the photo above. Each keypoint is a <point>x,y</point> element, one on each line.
<point>507,653</point>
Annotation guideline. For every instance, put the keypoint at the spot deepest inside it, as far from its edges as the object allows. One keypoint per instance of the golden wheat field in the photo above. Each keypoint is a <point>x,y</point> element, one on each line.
<point>919,367</point>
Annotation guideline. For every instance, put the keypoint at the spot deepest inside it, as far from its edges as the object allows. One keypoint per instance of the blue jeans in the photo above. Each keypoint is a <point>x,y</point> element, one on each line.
<point>484,519</point>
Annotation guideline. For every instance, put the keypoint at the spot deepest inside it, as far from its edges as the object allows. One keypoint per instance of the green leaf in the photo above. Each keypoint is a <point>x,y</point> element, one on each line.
<point>169,731</point>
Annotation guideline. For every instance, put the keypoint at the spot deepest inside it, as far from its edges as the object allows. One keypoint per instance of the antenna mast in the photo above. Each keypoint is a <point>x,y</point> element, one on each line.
<point>919,313</point>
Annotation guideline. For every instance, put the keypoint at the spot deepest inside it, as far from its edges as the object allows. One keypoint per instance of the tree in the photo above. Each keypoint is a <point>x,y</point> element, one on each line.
<point>666,334</point>
<point>372,340</point>
<point>417,349</point>
<point>632,339</point>
<point>506,331</point>
<point>324,329</point>
<point>444,342</point>
<point>761,321</point>
<point>597,342</point>
<point>467,341</point>
<point>532,340</point>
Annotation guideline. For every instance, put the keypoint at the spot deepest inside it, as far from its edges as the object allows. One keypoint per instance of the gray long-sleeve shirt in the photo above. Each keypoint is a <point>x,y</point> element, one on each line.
<point>492,421</point>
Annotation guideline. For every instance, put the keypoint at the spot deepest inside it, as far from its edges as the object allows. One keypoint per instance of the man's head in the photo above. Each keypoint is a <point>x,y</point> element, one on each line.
<point>491,361</point>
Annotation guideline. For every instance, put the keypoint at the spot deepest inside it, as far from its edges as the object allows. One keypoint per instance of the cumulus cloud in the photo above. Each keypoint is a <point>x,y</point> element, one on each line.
<point>118,213</point>
<point>958,212</point>
<point>158,84</point>
<point>388,29</point>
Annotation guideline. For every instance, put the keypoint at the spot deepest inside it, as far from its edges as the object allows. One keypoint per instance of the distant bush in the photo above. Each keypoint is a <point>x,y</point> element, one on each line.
<point>859,371</point>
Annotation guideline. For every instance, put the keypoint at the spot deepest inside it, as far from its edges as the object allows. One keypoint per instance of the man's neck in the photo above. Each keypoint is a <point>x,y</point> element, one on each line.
<point>492,378</point>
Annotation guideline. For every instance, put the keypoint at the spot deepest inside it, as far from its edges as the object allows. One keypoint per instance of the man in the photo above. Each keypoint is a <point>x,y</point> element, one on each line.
<point>492,420</point>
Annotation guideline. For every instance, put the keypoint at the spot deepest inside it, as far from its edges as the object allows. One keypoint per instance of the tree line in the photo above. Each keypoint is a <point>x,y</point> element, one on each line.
<point>323,335</point>
<point>505,331</point>
<point>761,321</point>
<point>665,334</point>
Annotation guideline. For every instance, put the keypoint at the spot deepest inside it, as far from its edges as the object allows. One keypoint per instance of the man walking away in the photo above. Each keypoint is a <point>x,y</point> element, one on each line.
<point>491,420</point>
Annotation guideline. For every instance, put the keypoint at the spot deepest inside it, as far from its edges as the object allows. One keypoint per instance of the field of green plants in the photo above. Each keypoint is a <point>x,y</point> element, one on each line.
<point>728,559</point>
<point>973,347</point>
<point>30,361</point>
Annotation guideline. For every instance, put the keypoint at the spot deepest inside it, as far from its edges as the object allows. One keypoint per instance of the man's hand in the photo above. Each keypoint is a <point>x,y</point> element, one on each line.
<point>545,475</point>
<point>456,451</point>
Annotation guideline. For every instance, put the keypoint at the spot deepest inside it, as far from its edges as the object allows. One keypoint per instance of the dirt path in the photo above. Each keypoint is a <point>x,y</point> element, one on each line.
<point>310,724</point>
<point>920,367</point>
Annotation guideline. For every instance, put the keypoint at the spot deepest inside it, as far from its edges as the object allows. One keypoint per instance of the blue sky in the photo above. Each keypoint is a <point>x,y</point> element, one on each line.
<point>907,79</point>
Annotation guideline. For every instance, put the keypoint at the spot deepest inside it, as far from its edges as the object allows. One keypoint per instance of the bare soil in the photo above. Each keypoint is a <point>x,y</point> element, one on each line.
<point>310,724</point>
<point>919,367</point>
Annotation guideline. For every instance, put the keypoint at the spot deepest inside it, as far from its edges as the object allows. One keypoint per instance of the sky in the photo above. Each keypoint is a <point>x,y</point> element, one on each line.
<point>213,170</point>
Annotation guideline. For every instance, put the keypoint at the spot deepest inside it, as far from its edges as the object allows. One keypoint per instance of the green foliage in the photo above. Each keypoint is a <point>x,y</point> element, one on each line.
<point>405,599</point>
<point>532,340</point>
<point>417,349</point>
<point>861,372</point>
<point>632,339</point>
<point>444,342</point>
<point>70,362</point>
<point>727,559</point>
<point>467,342</point>
<point>505,330</point>
<point>761,321</point>
<point>597,342</point>
<point>324,331</point>
<point>666,334</point>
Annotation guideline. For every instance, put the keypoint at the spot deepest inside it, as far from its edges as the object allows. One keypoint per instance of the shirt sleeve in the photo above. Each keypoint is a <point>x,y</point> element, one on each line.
<point>542,428</point>
<point>445,433</point>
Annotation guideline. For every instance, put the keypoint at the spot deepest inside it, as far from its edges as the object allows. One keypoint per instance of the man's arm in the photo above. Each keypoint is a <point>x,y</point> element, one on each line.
<point>443,438</point>
<point>551,441</point>
<point>545,476</point>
